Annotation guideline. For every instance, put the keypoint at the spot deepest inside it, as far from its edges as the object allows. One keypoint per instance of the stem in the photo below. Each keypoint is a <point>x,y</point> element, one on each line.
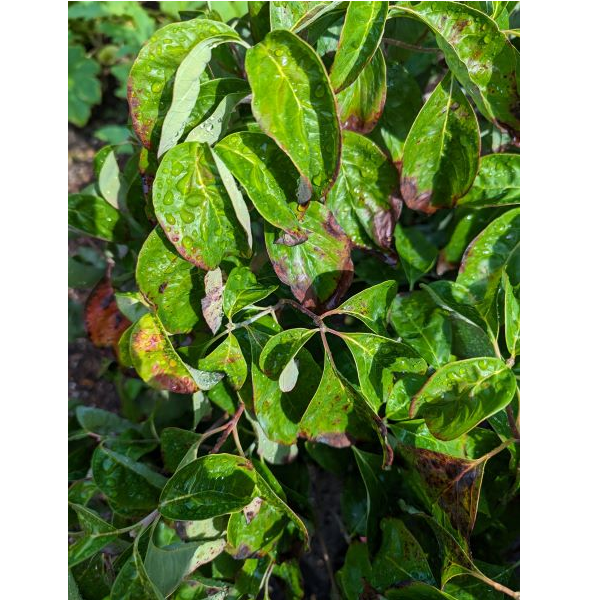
<point>497,586</point>
<point>228,428</point>
<point>511,421</point>
<point>408,46</point>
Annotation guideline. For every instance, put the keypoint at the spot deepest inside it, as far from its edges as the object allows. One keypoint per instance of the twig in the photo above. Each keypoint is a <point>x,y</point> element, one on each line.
<point>408,46</point>
<point>228,429</point>
<point>511,421</point>
<point>497,586</point>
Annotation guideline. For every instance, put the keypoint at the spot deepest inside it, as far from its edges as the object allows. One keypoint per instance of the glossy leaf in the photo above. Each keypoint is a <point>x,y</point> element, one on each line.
<point>227,358</point>
<point>402,104</point>
<point>498,182</point>
<point>479,55</point>
<point>360,38</point>
<point>94,216</point>
<point>281,349</point>
<point>194,209</point>
<point>285,15</point>
<point>132,582</point>
<point>417,254</point>
<point>364,198</point>
<point>423,326</point>
<point>371,305</point>
<point>361,104</point>
<point>241,290</point>
<point>377,359</point>
<point>159,365</point>
<point>304,121</point>
<point>441,152</point>
<point>102,422</point>
<point>172,285</point>
<point>207,487</point>
<point>400,557</point>
<point>97,534</point>
<point>109,176</point>
<point>152,77</point>
<point>462,394</point>
<point>125,482</point>
<point>512,318</point>
<point>186,85</point>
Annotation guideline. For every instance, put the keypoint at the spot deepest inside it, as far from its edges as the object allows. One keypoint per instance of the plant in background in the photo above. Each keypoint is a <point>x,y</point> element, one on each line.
<point>313,264</point>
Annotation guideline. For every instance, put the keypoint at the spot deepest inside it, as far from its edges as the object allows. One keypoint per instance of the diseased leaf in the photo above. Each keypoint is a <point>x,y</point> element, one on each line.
<point>207,487</point>
<point>479,55</point>
<point>194,209</point>
<point>498,182</point>
<point>371,306</point>
<point>104,322</point>
<point>400,557</point>
<point>361,104</point>
<point>227,358</point>
<point>377,359</point>
<point>304,121</point>
<point>441,152</point>
<point>423,327</point>
<point>212,303</point>
<point>172,285</point>
<point>241,290</point>
<point>97,534</point>
<point>360,38</point>
<point>281,349</point>
<point>186,85</point>
<point>126,483</point>
<point>94,216</point>
<point>462,394</point>
<point>364,199</point>
<point>417,254</point>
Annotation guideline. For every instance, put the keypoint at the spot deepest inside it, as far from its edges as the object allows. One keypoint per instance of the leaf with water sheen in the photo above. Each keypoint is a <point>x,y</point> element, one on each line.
<point>97,533</point>
<point>417,254</point>
<point>479,55</point>
<point>93,215</point>
<point>241,290</point>
<point>227,358</point>
<point>462,394</point>
<point>361,104</point>
<point>441,152</point>
<point>360,38</point>
<point>371,305</point>
<point>213,485</point>
<point>498,182</point>
<point>377,359</point>
<point>194,209</point>
<point>364,198</point>
<point>304,120</point>
<point>172,285</point>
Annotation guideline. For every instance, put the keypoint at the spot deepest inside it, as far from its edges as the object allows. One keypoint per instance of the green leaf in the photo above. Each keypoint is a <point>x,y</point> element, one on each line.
<point>377,358</point>
<point>97,534</point>
<point>159,365</point>
<point>194,209</point>
<point>175,444</point>
<point>479,55</point>
<point>496,248</point>
<point>361,104</point>
<point>462,394</point>
<point>227,358</point>
<point>281,349</point>
<point>417,590</point>
<point>186,85</point>
<point>132,582</point>
<point>168,566</point>
<point>512,317</point>
<point>417,254</point>
<point>207,487</point>
<point>285,15</point>
<point>498,182</point>
<point>441,152</point>
<point>364,197</point>
<point>360,38</point>
<point>102,422</point>
<point>254,534</point>
<point>356,570</point>
<point>94,216</point>
<point>169,283</point>
<point>152,77</point>
<point>400,557</point>
<point>304,120</point>
<point>109,176</point>
<point>131,304</point>
<point>241,290</point>
<point>423,326</point>
<point>126,483</point>
<point>402,105</point>
<point>84,87</point>
<point>273,452</point>
<point>260,21</point>
<point>371,305</point>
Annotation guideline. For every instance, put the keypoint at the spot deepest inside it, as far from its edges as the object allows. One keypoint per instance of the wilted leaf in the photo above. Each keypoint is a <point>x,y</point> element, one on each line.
<point>212,303</point>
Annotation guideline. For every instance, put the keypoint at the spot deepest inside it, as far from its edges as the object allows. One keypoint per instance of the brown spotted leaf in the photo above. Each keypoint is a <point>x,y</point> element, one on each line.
<point>212,303</point>
<point>104,322</point>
